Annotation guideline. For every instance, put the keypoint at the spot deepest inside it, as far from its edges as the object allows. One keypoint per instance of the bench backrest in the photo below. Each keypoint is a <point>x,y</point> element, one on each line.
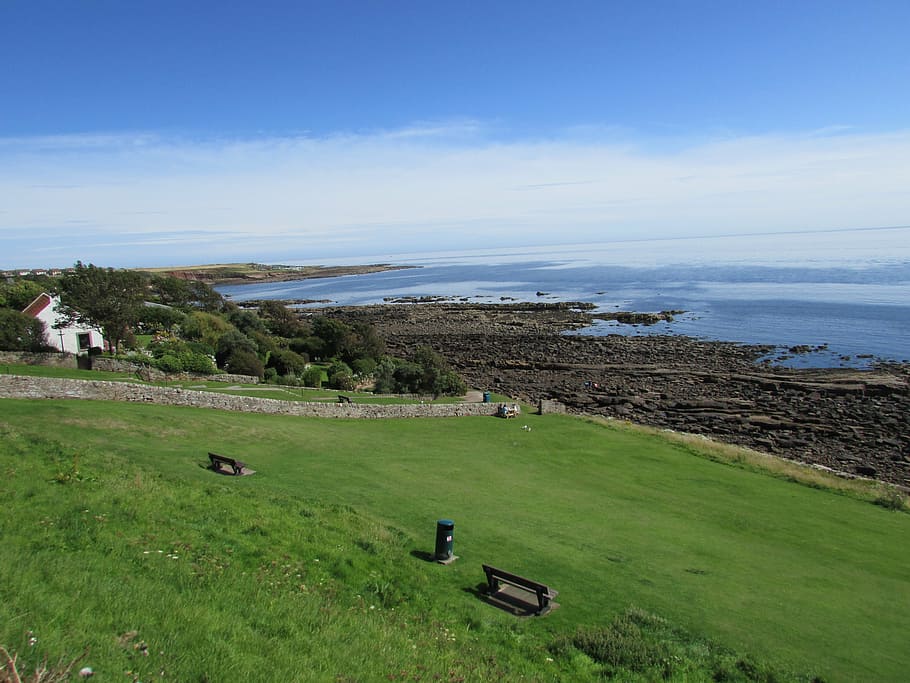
<point>514,579</point>
<point>222,458</point>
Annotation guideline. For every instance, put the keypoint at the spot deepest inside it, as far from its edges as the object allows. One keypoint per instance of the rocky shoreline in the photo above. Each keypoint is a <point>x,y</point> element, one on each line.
<point>852,421</point>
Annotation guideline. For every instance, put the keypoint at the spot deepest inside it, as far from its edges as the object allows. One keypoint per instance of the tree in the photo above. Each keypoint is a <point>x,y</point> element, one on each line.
<point>205,297</point>
<point>231,343</point>
<point>362,342</point>
<point>245,321</point>
<point>102,297</point>
<point>427,373</point>
<point>281,320</point>
<point>20,293</point>
<point>172,291</point>
<point>340,376</point>
<point>176,355</point>
<point>333,333</point>
<point>286,362</point>
<point>154,318</point>
<point>21,332</point>
<point>312,376</point>
<point>243,362</point>
<point>311,347</point>
<point>206,328</point>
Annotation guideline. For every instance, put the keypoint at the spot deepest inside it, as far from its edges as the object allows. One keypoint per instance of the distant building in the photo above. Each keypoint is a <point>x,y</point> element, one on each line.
<point>69,338</point>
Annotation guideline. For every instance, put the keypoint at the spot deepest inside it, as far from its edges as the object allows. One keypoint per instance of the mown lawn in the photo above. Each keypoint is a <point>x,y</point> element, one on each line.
<point>804,579</point>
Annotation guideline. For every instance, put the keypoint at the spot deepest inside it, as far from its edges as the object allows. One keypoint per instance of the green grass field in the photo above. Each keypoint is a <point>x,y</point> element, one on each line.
<point>314,568</point>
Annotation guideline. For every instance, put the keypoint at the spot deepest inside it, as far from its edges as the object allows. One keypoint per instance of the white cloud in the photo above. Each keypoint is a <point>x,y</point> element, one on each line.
<point>432,185</point>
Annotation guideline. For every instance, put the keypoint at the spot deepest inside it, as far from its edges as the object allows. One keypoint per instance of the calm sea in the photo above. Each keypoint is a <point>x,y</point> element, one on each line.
<point>846,291</point>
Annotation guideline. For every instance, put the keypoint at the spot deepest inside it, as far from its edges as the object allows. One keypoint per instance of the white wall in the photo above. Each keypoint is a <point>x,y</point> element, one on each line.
<point>71,339</point>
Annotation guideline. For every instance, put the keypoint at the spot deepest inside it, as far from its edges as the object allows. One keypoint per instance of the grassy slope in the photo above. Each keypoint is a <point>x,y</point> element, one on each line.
<point>805,578</point>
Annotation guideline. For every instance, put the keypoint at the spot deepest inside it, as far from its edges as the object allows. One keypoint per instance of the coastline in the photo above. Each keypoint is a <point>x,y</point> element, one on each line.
<point>253,273</point>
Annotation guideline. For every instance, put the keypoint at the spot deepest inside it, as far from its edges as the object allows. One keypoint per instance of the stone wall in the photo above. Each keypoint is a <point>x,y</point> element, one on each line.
<point>549,407</point>
<point>17,386</point>
<point>106,364</point>
<point>56,360</point>
<point>151,374</point>
<point>230,379</point>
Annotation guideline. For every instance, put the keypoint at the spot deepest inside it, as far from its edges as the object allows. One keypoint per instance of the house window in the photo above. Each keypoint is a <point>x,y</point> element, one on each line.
<point>85,341</point>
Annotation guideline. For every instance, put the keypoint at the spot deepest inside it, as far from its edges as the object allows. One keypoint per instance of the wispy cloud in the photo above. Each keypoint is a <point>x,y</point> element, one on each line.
<point>300,197</point>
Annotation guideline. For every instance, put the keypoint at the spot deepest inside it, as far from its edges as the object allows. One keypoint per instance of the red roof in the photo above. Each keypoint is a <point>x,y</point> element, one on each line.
<point>38,305</point>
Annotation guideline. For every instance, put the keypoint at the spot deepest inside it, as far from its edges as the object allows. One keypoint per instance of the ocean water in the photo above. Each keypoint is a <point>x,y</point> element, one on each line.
<point>846,294</point>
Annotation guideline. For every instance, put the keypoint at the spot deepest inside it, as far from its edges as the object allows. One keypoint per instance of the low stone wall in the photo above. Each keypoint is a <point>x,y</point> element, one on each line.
<point>549,407</point>
<point>151,374</point>
<point>116,365</point>
<point>231,379</point>
<point>17,386</point>
<point>55,360</point>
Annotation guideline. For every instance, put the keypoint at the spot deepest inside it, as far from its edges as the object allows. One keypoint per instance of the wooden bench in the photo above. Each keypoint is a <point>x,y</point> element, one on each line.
<point>543,593</point>
<point>219,460</point>
<point>344,399</point>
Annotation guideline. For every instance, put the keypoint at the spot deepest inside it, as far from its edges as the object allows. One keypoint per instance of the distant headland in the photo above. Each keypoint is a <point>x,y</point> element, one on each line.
<point>242,273</point>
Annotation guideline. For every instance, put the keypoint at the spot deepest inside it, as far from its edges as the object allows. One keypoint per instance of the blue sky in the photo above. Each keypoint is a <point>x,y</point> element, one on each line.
<point>166,133</point>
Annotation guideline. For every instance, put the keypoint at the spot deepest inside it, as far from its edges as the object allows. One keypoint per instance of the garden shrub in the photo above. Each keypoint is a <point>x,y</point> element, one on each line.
<point>243,362</point>
<point>312,377</point>
<point>169,363</point>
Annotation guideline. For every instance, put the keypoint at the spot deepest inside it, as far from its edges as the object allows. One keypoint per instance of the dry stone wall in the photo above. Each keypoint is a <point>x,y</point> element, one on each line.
<point>56,360</point>
<point>151,374</point>
<point>17,386</point>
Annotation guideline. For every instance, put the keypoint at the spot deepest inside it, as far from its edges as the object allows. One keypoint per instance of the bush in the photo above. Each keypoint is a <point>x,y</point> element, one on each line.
<point>364,366</point>
<point>428,373</point>
<point>891,498</point>
<point>620,645</point>
<point>169,363</point>
<point>154,318</point>
<point>191,357</point>
<point>206,328</point>
<point>309,347</point>
<point>21,332</point>
<point>286,362</point>
<point>233,342</point>
<point>312,377</point>
<point>197,362</point>
<point>243,362</point>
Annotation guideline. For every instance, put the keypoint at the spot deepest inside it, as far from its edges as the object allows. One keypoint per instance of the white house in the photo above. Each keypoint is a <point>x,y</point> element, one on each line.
<point>72,339</point>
